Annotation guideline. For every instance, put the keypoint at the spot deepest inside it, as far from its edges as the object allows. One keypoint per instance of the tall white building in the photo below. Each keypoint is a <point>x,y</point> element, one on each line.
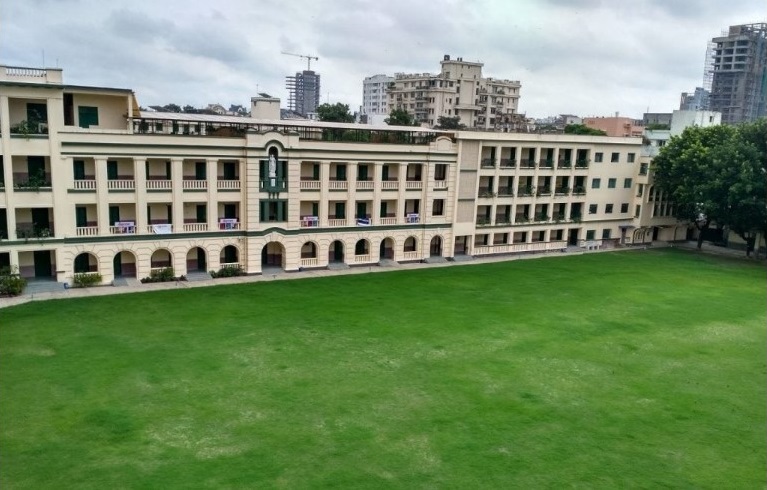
<point>375,105</point>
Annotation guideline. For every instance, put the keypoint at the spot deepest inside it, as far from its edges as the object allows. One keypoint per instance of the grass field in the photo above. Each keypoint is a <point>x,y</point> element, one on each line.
<point>631,369</point>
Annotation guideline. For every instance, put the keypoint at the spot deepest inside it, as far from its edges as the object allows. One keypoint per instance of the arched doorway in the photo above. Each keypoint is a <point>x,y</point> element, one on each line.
<point>386,250</point>
<point>435,247</point>
<point>362,247</point>
<point>411,245</point>
<point>229,255</point>
<point>196,260</point>
<point>86,262</point>
<point>336,252</point>
<point>273,256</point>
<point>124,264</point>
<point>161,259</point>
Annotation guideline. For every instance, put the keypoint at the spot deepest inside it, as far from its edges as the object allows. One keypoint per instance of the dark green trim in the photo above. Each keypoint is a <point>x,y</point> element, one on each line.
<point>124,190</point>
<point>194,190</point>
<point>81,191</point>
<point>29,136</point>
<point>159,190</point>
<point>41,189</point>
<point>230,190</point>
<point>365,190</point>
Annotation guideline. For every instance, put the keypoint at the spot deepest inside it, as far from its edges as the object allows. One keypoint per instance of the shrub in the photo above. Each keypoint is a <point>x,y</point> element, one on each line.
<point>232,271</point>
<point>162,275</point>
<point>87,279</point>
<point>11,283</point>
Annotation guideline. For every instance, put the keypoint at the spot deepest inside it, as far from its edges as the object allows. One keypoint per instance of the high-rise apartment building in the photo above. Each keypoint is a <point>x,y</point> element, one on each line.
<point>375,104</point>
<point>739,86</point>
<point>304,92</point>
<point>696,101</point>
<point>459,90</point>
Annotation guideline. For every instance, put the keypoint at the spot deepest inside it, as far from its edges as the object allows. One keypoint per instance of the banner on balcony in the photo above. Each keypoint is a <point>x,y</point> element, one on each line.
<point>363,222</point>
<point>311,221</point>
<point>125,226</point>
<point>162,229</point>
<point>227,223</point>
<point>412,218</point>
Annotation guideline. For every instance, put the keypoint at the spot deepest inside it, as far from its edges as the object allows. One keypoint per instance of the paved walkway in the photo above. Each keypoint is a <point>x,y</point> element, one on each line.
<point>137,288</point>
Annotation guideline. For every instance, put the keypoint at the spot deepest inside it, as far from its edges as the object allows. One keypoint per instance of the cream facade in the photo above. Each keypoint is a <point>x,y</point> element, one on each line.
<point>90,184</point>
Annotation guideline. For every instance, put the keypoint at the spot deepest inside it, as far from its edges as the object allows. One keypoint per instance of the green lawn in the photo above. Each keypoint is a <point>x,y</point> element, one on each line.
<point>630,369</point>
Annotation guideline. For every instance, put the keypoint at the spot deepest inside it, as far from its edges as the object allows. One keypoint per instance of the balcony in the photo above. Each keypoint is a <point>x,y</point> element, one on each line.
<point>273,185</point>
<point>519,247</point>
<point>505,192</point>
<point>410,255</point>
<point>508,163</point>
<point>502,219</point>
<point>229,224</point>
<point>32,183</point>
<point>544,191</point>
<point>488,163</point>
<point>643,169</point>
<point>582,163</point>
<point>338,185</point>
<point>87,230</point>
<point>192,227</point>
<point>562,191</point>
<point>228,185</point>
<point>27,231</point>
<point>310,262</point>
<point>412,218</point>
<point>390,185</point>
<point>365,185</point>
<point>160,229</point>
<point>564,164</point>
<point>579,191</point>
<point>124,184</point>
<point>159,185</point>
<point>362,259</point>
<point>546,164</point>
<point>84,185</point>
<point>194,185</point>
<point>525,191</point>
<point>541,218</point>
<point>336,222</point>
<point>484,221</point>
<point>310,222</point>
<point>526,163</point>
<point>310,185</point>
<point>440,185</point>
<point>388,221</point>
<point>413,185</point>
<point>123,228</point>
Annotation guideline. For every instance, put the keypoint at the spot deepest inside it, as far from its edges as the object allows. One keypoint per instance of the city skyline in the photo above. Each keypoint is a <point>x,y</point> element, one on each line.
<point>583,57</point>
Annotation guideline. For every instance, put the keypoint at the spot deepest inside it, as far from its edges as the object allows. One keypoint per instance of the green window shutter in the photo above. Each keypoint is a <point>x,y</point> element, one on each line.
<point>35,165</point>
<point>362,171</point>
<point>230,211</point>
<point>341,172</point>
<point>114,215</point>
<point>167,171</point>
<point>263,170</point>
<point>79,169</point>
<point>383,209</point>
<point>200,171</point>
<point>316,171</point>
<point>361,210</point>
<point>229,171</point>
<point>149,214</point>
<point>262,210</point>
<point>81,216</point>
<point>385,172</point>
<point>315,209</point>
<point>169,208</point>
<point>88,116</point>
<point>112,170</point>
<point>146,167</point>
<point>202,213</point>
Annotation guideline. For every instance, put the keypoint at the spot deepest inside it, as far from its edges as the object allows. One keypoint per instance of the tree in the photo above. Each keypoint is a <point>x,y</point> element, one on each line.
<point>445,122</point>
<point>400,117</point>
<point>583,129</point>
<point>171,108</point>
<point>717,175</point>
<point>334,113</point>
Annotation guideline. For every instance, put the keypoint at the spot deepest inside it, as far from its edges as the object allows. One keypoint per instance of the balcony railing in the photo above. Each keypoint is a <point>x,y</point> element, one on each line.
<point>564,164</point>
<point>310,222</point>
<point>229,224</point>
<point>508,163</point>
<point>159,185</point>
<point>123,184</point>
<point>505,192</point>
<point>334,222</point>
<point>390,185</point>
<point>440,184</point>
<point>412,218</point>
<point>410,255</point>
<point>544,191</point>
<point>525,191</point>
<point>484,221</point>
<point>579,190</point>
<point>488,163</point>
<point>526,163</point>
<point>562,191</point>
<point>280,185</point>
<point>541,218</point>
<point>87,230</point>
<point>520,247</point>
<point>160,228</point>
<point>582,163</point>
<point>338,185</point>
<point>125,229</point>
<point>26,231</point>
<point>365,185</point>
<point>388,221</point>
<point>224,185</point>
<point>195,226</point>
<point>413,185</point>
<point>193,185</point>
<point>503,220</point>
<point>362,259</point>
<point>546,164</point>
<point>85,185</point>
<point>310,185</point>
<point>310,262</point>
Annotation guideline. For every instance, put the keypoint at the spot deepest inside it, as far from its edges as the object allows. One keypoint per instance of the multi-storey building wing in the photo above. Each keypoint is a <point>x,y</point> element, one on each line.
<point>375,103</point>
<point>459,90</point>
<point>89,183</point>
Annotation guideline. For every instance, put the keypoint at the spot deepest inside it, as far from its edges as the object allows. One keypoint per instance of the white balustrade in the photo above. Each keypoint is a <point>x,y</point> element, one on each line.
<point>85,185</point>
<point>313,185</point>
<point>310,262</point>
<point>413,185</point>
<point>195,226</point>
<point>161,185</point>
<point>362,259</point>
<point>390,185</point>
<point>410,255</point>
<point>336,222</point>
<point>194,184</point>
<point>388,221</point>
<point>121,184</point>
<point>87,230</point>
<point>364,185</point>
<point>440,184</point>
<point>229,185</point>
<point>336,185</point>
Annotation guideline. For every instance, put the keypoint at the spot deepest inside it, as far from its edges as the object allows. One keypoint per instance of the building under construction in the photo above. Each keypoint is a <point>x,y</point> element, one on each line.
<point>739,85</point>
<point>304,92</point>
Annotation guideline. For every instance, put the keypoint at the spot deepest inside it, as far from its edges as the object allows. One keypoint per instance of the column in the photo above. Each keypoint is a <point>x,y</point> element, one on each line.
<point>324,193</point>
<point>212,174</point>
<point>376,213</point>
<point>139,176</point>
<point>102,194</point>
<point>401,192</point>
<point>351,198</point>
<point>177,177</point>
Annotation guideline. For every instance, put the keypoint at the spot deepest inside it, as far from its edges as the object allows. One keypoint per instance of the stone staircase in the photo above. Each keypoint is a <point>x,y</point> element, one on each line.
<point>198,276</point>
<point>435,260</point>
<point>463,258</point>
<point>337,266</point>
<point>38,286</point>
<point>126,281</point>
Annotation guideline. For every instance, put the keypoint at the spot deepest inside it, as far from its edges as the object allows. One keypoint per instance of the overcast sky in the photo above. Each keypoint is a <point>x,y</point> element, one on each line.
<point>585,57</point>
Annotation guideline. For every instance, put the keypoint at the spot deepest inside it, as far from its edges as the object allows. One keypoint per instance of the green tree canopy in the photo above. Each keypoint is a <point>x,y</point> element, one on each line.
<point>445,122</point>
<point>400,117</point>
<point>583,129</point>
<point>717,175</point>
<point>334,113</point>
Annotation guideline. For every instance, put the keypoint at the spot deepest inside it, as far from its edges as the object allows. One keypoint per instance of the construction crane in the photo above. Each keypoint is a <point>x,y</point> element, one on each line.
<point>308,59</point>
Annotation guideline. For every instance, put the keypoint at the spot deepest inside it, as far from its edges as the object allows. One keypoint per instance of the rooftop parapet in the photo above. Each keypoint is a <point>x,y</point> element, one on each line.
<point>30,75</point>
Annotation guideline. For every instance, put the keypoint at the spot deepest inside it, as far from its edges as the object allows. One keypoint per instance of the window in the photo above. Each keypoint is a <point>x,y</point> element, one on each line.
<point>88,116</point>
<point>595,183</point>
<point>611,183</point>
<point>627,183</point>
<point>615,157</point>
<point>606,234</point>
<point>631,157</point>
<point>590,234</point>
<point>440,171</point>
<point>637,210</point>
<point>79,169</point>
<point>592,209</point>
<point>273,210</point>
<point>598,157</point>
<point>608,208</point>
<point>438,208</point>
<point>625,207</point>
